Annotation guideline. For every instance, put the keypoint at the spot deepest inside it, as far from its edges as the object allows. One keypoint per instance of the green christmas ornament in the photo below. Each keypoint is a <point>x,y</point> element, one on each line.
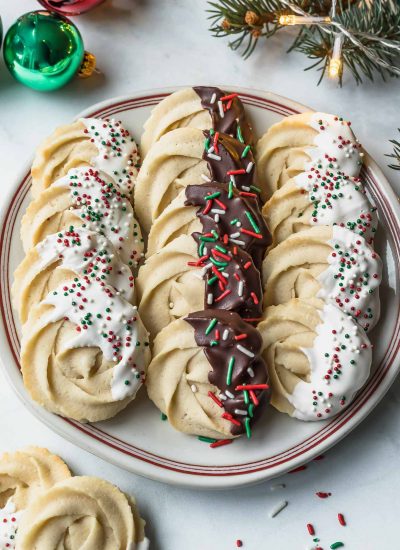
<point>44,51</point>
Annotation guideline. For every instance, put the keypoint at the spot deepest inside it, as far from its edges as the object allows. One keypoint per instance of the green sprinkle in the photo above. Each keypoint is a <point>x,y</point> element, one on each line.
<point>232,222</point>
<point>164,416</point>
<point>213,196</point>
<point>247,426</point>
<point>251,409</point>
<point>239,134</point>
<point>212,280</point>
<point>255,188</point>
<point>207,239</point>
<point>221,248</point>
<point>245,151</point>
<point>230,369</point>
<point>211,326</point>
<point>213,343</point>
<point>230,190</point>
<point>253,223</point>
<point>206,439</point>
<point>336,545</point>
<point>246,397</point>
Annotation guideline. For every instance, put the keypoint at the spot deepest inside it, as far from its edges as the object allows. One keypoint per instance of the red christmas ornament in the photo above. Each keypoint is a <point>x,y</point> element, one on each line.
<point>70,7</point>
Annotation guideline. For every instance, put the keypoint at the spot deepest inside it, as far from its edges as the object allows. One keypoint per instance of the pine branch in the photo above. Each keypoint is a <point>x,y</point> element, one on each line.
<point>396,154</point>
<point>375,27</point>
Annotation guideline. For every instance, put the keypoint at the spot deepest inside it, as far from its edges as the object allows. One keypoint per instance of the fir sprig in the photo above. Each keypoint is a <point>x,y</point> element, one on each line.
<point>375,27</point>
<point>396,154</point>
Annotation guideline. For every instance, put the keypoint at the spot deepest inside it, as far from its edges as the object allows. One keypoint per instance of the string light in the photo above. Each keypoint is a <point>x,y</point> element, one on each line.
<point>335,62</point>
<point>286,20</point>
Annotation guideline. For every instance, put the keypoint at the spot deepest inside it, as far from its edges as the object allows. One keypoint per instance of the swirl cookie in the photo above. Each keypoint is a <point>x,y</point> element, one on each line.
<point>215,208</point>
<point>66,256</point>
<point>317,358</point>
<point>207,375</point>
<point>200,107</point>
<point>301,142</point>
<point>320,198</point>
<point>103,144</point>
<point>188,156</point>
<point>82,512</point>
<point>84,351</point>
<point>330,263</point>
<point>217,276</point>
<point>87,198</point>
<point>24,476</point>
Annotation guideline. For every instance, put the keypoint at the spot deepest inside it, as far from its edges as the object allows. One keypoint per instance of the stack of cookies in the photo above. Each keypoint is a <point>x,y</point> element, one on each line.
<point>200,290</point>
<point>321,274</point>
<point>84,348</point>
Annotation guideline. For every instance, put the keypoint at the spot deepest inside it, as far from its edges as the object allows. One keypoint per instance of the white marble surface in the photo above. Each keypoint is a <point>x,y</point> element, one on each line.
<point>153,43</point>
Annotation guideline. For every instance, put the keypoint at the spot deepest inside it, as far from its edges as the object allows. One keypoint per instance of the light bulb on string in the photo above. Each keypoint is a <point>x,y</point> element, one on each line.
<point>286,20</point>
<point>335,63</point>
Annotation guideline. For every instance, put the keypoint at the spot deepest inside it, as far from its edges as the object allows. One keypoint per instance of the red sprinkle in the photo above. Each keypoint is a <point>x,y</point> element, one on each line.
<point>341,519</point>
<point>247,232</point>
<point>252,387</point>
<point>229,417</point>
<point>220,443</point>
<point>239,543</point>
<point>254,398</point>
<point>215,399</point>
<point>323,495</point>
<point>311,529</point>
<point>236,172</point>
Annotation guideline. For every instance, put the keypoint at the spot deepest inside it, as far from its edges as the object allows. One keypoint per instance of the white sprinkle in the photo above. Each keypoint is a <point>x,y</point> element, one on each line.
<point>277,486</point>
<point>205,177</point>
<point>216,218</point>
<point>213,98</point>
<point>241,411</point>
<point>222,397</point>
<point>233,180</point>
<point>245,350</point>
<point>240,243</point>
<point>245,188</point>
<point>234,235</point>
<point>193,387</point>
<point>217,211</point>
<point>225,334</point>
<point>229,394</point>
<point>251,372</point>
<point>240,288</point>
<point>221,109</point>
<point>209,299</point>
<point>278,509</point>
<point>212,156</point>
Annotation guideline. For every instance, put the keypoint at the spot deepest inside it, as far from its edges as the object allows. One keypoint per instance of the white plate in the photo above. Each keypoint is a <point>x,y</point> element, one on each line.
<point>137,439</point>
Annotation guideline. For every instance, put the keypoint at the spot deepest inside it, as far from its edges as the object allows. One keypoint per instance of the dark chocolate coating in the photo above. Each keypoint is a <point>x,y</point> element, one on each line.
<point>240,207</point>
<point>230,152</point>
<point>233,118</point>
<point>228,326</point>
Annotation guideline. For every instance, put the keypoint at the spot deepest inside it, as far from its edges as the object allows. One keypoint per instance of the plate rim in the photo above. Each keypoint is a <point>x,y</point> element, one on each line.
<point>157,472</point>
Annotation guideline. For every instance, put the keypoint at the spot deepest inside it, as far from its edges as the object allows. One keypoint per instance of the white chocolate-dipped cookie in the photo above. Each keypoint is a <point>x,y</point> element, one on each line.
<point>329,263</point>
<point>24,476</point>
<point>200,370</point>
<point>65,257</point>
<point>320,198</point>
<point>317,356</point>
<point>201,107</point>
<point>84,352</point>
<point>169,285</point>
<point>188,156</point>
<point>87,198</point>
<point>301,142</point>
<point>103,144</point>
<point>82,513</point>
